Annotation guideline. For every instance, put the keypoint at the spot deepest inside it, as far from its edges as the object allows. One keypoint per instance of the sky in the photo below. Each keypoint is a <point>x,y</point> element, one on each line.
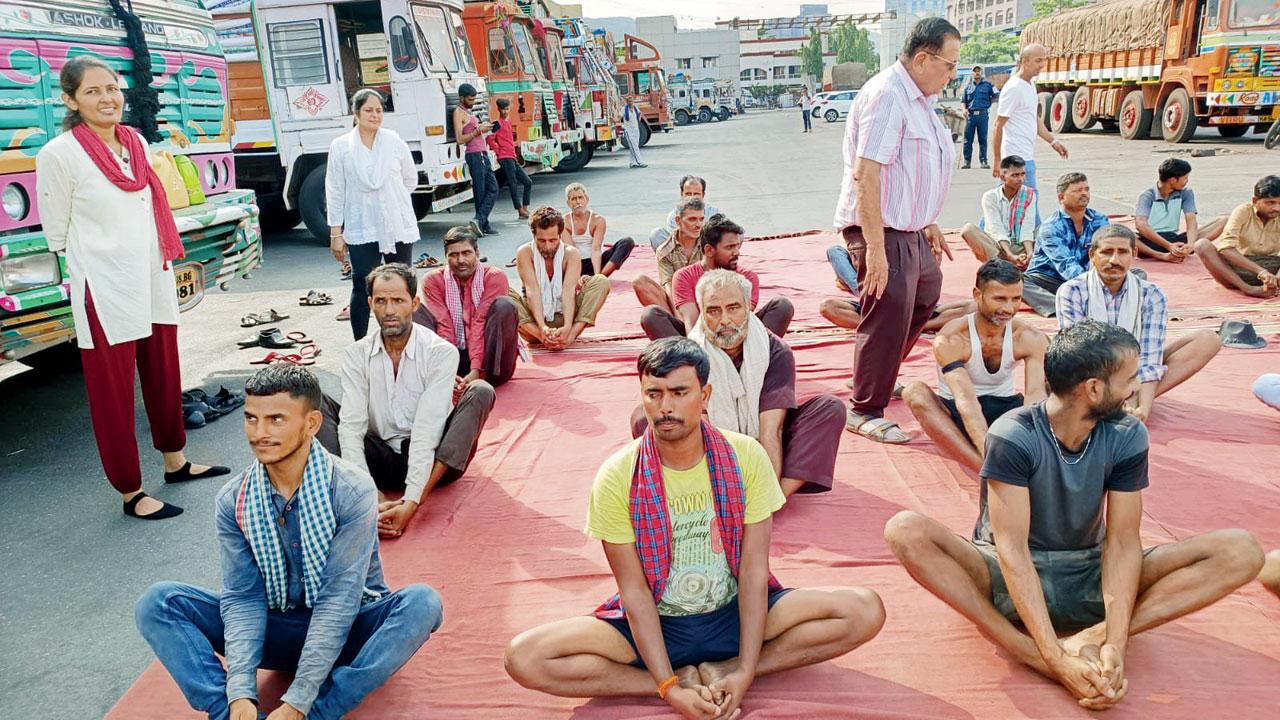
<point>706,12</point>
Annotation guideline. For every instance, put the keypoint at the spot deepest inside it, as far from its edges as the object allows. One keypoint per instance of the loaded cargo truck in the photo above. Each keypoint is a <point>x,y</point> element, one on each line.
<point>599,110</point>
<point>189,75</point>
<point>1161,67</point>
<point>641,79</point>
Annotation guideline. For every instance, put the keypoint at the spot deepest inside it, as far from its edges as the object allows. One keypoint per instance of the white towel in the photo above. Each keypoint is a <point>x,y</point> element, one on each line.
<point>552,287</point>
<point>735,393</point>
<point>1130,315</point>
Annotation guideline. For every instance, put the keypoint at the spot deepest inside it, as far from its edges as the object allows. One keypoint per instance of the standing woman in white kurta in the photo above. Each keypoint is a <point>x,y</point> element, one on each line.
<point>103,207</point>
<point>367,186</point>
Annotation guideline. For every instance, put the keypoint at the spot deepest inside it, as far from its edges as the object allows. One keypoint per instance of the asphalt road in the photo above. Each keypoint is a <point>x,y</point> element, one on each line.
<point>73,564</point>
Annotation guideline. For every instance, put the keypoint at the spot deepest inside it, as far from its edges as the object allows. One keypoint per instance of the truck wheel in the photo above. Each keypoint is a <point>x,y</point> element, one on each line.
<point>275,218</point>
<point>725,114</point>
<point>1080,112</point>
<point>1178,117</point>
<point>578,160</point>
<point>61,358</point>
<point>1135,120</point>
<point>682,117</point>
<point>831,116</point>
<point>311,203</point>
<point>704,115</point>
<point>1043,101</point>
<point>421,205</point>
<point>645,133</point>
<point>1060,109</point>
<point>1233,131</point>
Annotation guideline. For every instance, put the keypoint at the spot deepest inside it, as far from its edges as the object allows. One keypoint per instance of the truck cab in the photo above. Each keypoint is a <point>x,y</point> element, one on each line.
<point>641,79</point>
<point>565,93</point>
<point>313,55</point>
<point>599,108</point>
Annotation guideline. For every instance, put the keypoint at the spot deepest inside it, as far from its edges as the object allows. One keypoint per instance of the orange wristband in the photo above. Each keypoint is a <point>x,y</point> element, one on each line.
<point>665,686</point>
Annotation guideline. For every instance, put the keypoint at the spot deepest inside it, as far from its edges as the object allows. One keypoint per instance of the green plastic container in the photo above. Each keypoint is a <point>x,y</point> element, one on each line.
<point>190,177</point>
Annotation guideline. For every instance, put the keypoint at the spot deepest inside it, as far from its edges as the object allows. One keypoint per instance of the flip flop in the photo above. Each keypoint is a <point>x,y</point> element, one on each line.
<point>263,318</point>
<point>315,297</point>
<point>309,351</point>
<point>299,337</point>
<point>426,261</point>
<point>275,357</point>
<point>512,263</point>
<point>880,430</point>
<point>345,270</point>
<point>344,314</point>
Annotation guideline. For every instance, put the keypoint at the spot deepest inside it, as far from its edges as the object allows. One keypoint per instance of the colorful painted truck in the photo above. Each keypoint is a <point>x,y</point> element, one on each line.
<point>641,79</point>
<point>599,108</point>
<point>291,90</point>
<point>568,97</point>
<point>501,35</point>
<point>1181,63</point>
<point>221,235</point>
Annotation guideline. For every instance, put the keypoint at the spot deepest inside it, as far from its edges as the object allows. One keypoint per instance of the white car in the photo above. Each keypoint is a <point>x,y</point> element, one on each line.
<point>832,106</point>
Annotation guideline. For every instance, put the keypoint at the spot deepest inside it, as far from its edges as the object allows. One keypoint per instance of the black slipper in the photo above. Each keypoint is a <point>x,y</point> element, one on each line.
<point>184,474</point>
<point>167,511</point>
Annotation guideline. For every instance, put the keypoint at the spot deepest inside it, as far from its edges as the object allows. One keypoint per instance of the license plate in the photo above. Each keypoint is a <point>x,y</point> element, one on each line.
<point>454,199</point>
<point>188,280</point>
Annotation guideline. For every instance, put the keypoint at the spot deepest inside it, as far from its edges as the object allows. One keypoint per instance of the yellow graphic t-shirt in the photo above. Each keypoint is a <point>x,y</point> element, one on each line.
<point>700,580</point>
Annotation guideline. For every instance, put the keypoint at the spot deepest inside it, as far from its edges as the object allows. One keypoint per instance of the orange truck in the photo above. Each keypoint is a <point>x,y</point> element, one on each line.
<point>641,79</point>
<point>1160,67</point>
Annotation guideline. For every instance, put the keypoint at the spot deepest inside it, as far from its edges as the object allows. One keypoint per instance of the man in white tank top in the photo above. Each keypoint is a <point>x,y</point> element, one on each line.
<point>976,355</point>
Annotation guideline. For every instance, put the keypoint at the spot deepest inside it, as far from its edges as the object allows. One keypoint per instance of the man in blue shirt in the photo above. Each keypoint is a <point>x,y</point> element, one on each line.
<point>302,584</point>
<point>1062,246</point>
<point>977,101</point>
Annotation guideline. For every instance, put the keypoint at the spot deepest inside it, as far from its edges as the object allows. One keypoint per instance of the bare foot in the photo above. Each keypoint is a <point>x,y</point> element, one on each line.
<point>712,672</point>
<point>1091,636</point>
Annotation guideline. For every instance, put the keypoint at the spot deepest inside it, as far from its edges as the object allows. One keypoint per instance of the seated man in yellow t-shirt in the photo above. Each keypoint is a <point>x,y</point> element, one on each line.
<point>1246,256</point>
<point>703,616</point>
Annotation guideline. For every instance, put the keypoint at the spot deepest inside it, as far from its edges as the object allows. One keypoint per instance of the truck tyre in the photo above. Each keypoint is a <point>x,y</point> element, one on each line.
<point>1081,115</point>
<point>704,115</point>
<point>1135,120</point>
<point>724,114</point>
<point>1043,102</point>
<point>275,218</point>
<point>831,116</point>
<point>312,205</point>
<point>57,359</point>
<point>682,117</point>
<point>1233,131</point>
<point>1178,117</point>
<point>1060,109</point>
<point>646,132</point>
<point>578,160</point>
<point>421,204</point>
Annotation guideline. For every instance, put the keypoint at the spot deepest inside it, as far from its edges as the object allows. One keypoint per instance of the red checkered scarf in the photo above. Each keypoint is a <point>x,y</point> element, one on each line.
<point>453,299</point>
<point>652,525</point>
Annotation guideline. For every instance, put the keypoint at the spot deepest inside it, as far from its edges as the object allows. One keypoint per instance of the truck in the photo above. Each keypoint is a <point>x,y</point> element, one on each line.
<point>641,80</point>
<point>501,35</point>
<point>291,90</point>
<point>222,236</point>
<point>599,109</point>
<point>1154,67</point>
<point>565,93</point>
<point>715,97</point>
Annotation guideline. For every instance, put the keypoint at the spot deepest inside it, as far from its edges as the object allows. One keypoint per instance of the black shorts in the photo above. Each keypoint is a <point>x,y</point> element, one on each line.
<point>993,407</point>
<point>1173,237</point>
<point>692,639</point>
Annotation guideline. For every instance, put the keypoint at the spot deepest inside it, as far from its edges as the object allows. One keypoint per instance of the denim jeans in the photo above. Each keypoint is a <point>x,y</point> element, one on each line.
<point>1031,183</point>
<point>517,181</point>
<point>484,186</point>
<point>807,121</point>
<point>838,256</point>
<point>183,625</point>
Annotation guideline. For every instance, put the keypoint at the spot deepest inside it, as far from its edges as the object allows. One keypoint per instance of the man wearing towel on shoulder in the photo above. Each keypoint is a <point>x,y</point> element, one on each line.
<point>685,517</point>
<point>1108,292</point>
<point>557,302</point>
<point>1057,547</point>
<point>754,375</point>
<point>302,584</point>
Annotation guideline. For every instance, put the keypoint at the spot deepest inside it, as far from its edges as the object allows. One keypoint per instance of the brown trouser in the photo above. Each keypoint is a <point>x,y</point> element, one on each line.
<point>500,340</point>
<point>891,323</point>
<point>658,322</point>
<point>587,301</point>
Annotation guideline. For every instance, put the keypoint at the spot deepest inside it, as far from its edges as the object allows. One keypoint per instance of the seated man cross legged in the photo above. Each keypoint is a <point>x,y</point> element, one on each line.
<point>721,242</point>
<point>1008,216</point>
<point>1162,211</point>
<point>684,514</point>
<point>406,418</point>
<point>1246,256</point>
<point>1057,547</point>
<point>1062,246</point>
<point>681,249</point>
<point>754,373</point>
<point>557,302</point>
<point>691,186</point>
<point>1110,293</point>
<point>302,584</point>
<point>971,394</point>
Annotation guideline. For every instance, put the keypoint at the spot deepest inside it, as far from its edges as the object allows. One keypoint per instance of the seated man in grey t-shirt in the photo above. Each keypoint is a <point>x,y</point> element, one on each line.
<point>1060,500</point>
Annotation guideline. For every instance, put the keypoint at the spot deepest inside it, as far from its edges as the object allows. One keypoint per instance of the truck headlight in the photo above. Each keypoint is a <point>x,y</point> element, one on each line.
<point>29,272</point>
<point>15,200</point>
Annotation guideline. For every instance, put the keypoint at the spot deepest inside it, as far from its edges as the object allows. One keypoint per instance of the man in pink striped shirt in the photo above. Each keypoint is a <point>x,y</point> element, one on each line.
<point>898,162</point>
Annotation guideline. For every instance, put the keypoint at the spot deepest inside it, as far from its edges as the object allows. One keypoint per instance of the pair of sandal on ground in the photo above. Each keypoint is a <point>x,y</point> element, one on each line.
<point>273,339</point>
<point>200,408</point>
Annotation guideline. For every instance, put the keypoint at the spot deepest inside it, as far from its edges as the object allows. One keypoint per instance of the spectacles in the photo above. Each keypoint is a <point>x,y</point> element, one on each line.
<point>951,64</point>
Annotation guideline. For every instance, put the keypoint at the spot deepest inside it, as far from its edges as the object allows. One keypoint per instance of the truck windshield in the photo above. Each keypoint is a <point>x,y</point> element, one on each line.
<point>1254,13</point>
<point>521,35</point>
<point>557,56</point>
<point>436,35</point>
<point>460,42</point>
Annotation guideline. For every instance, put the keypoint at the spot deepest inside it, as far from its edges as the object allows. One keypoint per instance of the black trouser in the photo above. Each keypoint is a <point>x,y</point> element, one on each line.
<point>364,258</point>
<point>515,176</point>
<point>500,340</point>
<point>484,186</point>
<point>976,124</point>
<point>616,253</point>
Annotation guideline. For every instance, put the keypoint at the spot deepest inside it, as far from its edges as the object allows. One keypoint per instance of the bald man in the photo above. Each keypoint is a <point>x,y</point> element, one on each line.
<point>1016,123</point>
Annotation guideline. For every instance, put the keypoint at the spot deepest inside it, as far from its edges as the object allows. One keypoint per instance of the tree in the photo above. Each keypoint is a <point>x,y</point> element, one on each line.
<point>989,47</point>
<point>811,55</point>
<point>853,44</point>
<point>762,32</point>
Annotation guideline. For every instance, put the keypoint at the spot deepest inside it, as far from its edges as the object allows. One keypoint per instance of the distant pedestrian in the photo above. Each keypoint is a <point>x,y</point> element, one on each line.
<point>806,108</point>
<point>898,163</point>
<point>503,144</point>
<point>469,132</point>
<point>1016,123</point>
<point>631,119</point>
<point>977,101</point>
<point>105,210</point>
<point>371,218</point>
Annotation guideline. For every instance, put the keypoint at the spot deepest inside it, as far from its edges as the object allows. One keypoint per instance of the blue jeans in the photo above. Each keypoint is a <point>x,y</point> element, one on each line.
<point>183,625</point>
<point>808,123</point>
<point>484,186</point>
<point>838,256</point>
<point>1031,183</point>
<point>976,124</point>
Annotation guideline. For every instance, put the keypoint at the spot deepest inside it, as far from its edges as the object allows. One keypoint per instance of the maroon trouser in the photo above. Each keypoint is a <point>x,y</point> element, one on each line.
<point>891,323</point>
<point>108,376</point>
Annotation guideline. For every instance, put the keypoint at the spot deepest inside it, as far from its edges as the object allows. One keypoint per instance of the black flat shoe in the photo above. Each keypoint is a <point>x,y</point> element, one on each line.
<point>167,511</point>
<point>193,416</point>
<point>185,475</point>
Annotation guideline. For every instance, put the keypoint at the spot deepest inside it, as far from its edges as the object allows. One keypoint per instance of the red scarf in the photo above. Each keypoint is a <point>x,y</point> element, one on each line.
<point>170,241</point>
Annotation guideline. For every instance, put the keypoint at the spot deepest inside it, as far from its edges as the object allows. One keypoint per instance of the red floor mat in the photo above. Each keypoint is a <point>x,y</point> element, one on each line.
<point>504,546</point>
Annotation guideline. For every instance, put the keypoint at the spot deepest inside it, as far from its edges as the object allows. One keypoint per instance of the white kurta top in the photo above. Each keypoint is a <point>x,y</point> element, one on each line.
<point>367,191</point>
<point>110,242</point>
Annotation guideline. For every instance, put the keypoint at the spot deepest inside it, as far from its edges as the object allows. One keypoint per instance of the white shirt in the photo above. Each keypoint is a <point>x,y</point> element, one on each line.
<point>367,191</point>
<point>995,212</point>
<point>412,404</point>
<point>110,242</point>
<point>1018,103</point>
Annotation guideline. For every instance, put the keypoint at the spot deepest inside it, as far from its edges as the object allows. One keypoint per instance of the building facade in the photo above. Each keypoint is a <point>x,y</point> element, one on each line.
<point>972,16</point>
<point>710,54</point>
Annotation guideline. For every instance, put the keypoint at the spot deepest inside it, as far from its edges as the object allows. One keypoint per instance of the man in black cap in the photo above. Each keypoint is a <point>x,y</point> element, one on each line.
<point>470,133</point>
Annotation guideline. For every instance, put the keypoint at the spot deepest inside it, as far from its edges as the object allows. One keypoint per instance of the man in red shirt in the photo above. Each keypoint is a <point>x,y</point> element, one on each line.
<point>503,144</point>
<point>466,304</point>
<point>721,243</point>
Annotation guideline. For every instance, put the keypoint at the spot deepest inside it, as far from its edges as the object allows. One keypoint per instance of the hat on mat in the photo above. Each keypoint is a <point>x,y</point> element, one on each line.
<point>1240,334</point>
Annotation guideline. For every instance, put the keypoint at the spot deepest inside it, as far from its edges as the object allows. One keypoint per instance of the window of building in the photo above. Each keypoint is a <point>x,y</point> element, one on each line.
<point>708,61</point>
<point>779,73</point>
<point>684,63</point>
<point>297,53</point>
<point>793,71</point>
<point>989,21</point>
